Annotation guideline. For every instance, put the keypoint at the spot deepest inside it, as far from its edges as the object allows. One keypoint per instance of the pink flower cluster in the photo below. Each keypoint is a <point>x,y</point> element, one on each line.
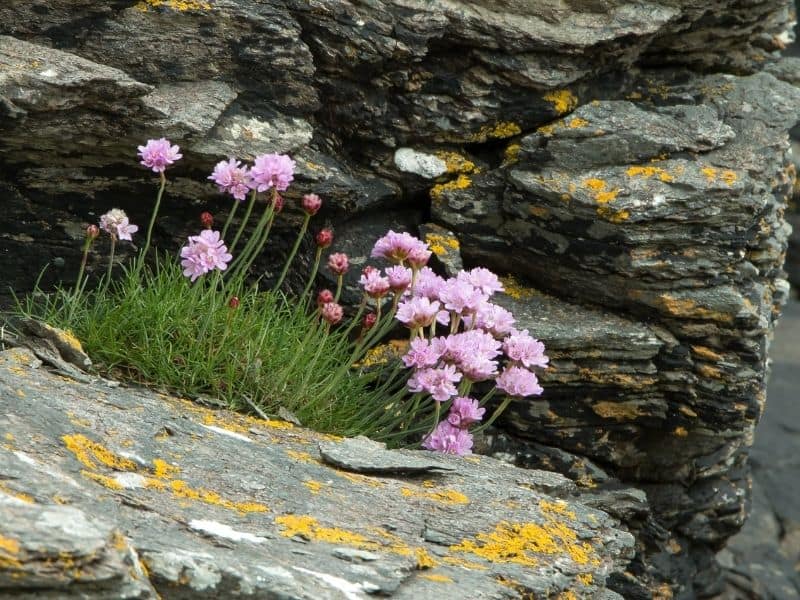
<point>115,223</point>
<point>481,342</point>
<point>268,171</point>
<point>204,253</point>
<point>157,155</point>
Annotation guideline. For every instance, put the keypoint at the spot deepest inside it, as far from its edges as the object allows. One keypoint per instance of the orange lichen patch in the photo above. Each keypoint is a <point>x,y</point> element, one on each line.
<point>515,289</point>
<point>9,545</point>
<point>684,307</point>
<point>563,100</point>
<point>179,5</point>
<point>440,245</point>
<point>606,197</point>
<point>511,153</point>
<point>710,372</point>
<point>163,470</point>
<point>360,479</point>
<point>559,507</point>
<point>729,177</point>
<point>90,453</point>
<point>230,424</point>
<point>300,456</point>
<point>680,432</point>
<point>313,486</point>
<point>687,411</point>
<point>9,550</point>
<point>429,483</point>
<point>586,578</point>
<point>436,577</point>
<point>383,353</point>
<point>462,182</point>
<point>466,564</point>
<point>594,184</point>
<point>620,411</point>
<point>705,352</point>
<point>649,171</point>
<point>448,497</point>
<point>710,173</point>
<point>519,543</point>
<point>309,528</point>
<point>424,560</point>
<point>455,163</point>
<point>577,123</point>
<point>614,216</point>
<point>539,211</point>
<point>103,480</point>
<point>547,130</point>
<point>567,595</point>
<point>180,489</point>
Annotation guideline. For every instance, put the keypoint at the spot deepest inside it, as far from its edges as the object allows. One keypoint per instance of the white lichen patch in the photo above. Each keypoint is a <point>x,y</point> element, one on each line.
<point>232,434</point>
<point>130,480</point>
<point>224,531</point>
<point>425,165</point>
<point>350,590</point>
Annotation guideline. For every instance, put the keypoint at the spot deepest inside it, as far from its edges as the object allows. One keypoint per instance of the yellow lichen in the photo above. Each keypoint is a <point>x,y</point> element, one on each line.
<point>729,177</point>
<point>383,353</point>
<point>360,479</point>
<point>27,498</point>
<point>606,197</point>
<point>585,578</point>
<point>577,123</point>
<point>448,497</point>
<point>87,452</point>
<point>180,489</point>
<point>424,560</point>
<point>684,307</point>
<point>300,456</point>
<point>511,153</point>
<point>163,470</point>
<point>614,216</point>
<point>559,507</point>
<point>103,480</point>
<point>649,171</point>
<point>440,244</point>
<point>313,486</point>
<point>620,411</point>
<point>594,184</point>
<point>9,545</point>
<point>309,528</point>
<point>455,163</point>
<point>563,100</point>
<point>179,5</point>
<point>436,577</point>
<point>466,564</point>
<point>462,182</point>
<point>710,173</point>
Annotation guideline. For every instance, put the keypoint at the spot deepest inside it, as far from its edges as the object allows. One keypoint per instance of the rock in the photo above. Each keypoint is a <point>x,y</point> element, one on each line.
<point>97,501</point>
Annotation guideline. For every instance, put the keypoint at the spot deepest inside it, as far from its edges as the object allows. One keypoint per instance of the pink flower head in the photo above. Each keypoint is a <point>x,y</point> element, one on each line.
<point>234,302</point>
<point>464,412</point>
<point>115,223</point>
<point>324,297</point>
<point>437,382</point>
<point>517,381</point>
<point>461,297</point>
<point>332,312</point>
<point>92,231</point>
<point>232,178</point>
<point>204,253</point>
<point>369,321</point>
<point>207,219</point>
<point>338,263</point>
<point>399,278</point>
<point>418,257</point>
<point>449,440</point>
<point>473,352</point>
<point>311,204</point>
<point>417,312</point>
<point>272,170</point>
<point>158,154</point>
<point>522,348</point>
<point>421,354</point>
<point>324,237</point>
<point>397,246</point>
<point>428,284</point>
<point>483,280</point>
<point>493,318</point>
<point>375,285</point>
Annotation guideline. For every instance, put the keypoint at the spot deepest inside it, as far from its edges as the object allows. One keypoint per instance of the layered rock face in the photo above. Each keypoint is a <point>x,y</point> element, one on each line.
<point>627,162</point>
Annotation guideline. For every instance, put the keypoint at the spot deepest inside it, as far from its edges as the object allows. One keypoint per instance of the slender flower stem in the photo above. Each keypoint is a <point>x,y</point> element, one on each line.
<point>231,212</point>
<point>243,224</point>
<point>295,248</point>
<point>154,215</point>
<point>314,269</point>
<point>78,289</point>
<point>498,411</point>
<point>255,244</point>
<point>339,285</point>
<point>110,263</point>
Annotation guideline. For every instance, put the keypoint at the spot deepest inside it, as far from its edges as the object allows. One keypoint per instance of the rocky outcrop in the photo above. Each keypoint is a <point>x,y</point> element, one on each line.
<point>626,162</point>
<point>112,492</point>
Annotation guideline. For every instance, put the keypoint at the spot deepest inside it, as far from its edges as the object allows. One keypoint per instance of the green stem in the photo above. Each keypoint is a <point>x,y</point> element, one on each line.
<point>498,411</point>
<point>255,244</point>
<point>110,264</point>
<point>315,268</point>
<point>243,224</point>
<point>231,212</point>
<point>154,215</point>
<point>82,269</point>
<point>295,248</point>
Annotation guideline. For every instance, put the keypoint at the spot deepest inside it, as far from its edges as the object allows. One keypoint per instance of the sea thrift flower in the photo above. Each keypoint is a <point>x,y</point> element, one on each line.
<point>397,246</point>
<point>464,412</point>
<point>338,263</point>
<point>449,440</point>
<point>92,231</point>
<point>232,178</point>
<point>460,297</point>
<point>311,204</point>
<point>324,297</point>
<point>207,219</point>
<point>324,238</point>
<point>483,280</point>
<point>522,348</point>
<point>369,321</point>
<point>375,285</point>
<point>437,382</point>
<point>234,302</point>
<point>332,312</point>
<point>428,284</point>
<point>158,154</point>
<point>421,354</point>
<point>417,312</point>
<point>399,278</point>
<point>204,253</point>
<point>492,318</point>
<point>272,170</point>
<point>418,257</point>
<point>516,381</point>
<point>115,223</point>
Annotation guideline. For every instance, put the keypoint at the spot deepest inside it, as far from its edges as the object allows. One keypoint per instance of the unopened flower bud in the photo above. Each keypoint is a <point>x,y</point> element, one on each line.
<point>338,263</point>
<point>277,204</point>
<point>369,321</point>
<point>311,204</point>
<point>207,219</point>
<point>92,231</point>
<point>234,302</point>
<point>324,297</point>
<point>324,237</point>
<point>332,312</point>
<point>367,270</point>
